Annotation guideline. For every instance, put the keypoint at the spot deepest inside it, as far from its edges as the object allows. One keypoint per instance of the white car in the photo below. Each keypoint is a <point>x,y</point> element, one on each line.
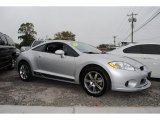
<point>146,53</point>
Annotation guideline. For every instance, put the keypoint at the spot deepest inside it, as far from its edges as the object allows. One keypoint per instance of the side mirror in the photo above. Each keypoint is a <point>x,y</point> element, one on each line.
<point>60,52</point>
<point>2,42</point>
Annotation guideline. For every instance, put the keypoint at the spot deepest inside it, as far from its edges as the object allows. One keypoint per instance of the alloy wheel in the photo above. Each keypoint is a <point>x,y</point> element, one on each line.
<point>24,71</point>
<point>94,82</point>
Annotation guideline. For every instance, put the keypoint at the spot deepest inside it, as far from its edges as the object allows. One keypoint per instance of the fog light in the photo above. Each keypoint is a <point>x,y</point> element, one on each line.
<point>131,83</point>
<point>143,81</point>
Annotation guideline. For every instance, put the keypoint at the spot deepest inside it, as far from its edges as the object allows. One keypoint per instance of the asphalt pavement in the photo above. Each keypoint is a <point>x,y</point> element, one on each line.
<point>43,92</point>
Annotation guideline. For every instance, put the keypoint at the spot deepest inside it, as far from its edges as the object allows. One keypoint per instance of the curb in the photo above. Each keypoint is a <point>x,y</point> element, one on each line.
<point>76,109</point>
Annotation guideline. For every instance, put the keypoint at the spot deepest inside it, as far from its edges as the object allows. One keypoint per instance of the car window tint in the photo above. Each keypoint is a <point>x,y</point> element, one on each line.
<point>133,49</point>
<point>2,37</point>
<point>36,43</point>
<point>52,47</point>
<point>40,48</point>
<point>10,41</point>
<point>68,51</point>
<point>151,49</point>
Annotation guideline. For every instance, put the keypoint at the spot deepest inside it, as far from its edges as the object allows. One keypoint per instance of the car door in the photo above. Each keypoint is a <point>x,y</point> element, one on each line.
<point>5,55</point>
<point>56,66</point>
<point>151,58</point>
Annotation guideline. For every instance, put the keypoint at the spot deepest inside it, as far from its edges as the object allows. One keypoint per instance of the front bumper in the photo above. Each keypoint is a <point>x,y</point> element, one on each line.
<point>141,87</point>
<point>129,81</point>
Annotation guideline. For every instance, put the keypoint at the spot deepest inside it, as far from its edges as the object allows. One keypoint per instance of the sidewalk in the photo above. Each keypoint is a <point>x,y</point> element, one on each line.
<point>76,109</point>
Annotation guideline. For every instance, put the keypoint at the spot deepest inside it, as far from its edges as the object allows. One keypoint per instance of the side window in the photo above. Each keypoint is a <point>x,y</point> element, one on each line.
<point>69,51</point>
<point>39,48</point>
<point>10,41</point>
<point>133,49</point>
<point>151,49</point>
<point>52,47</point>
<point>36,43</point>
<point>2,37</point>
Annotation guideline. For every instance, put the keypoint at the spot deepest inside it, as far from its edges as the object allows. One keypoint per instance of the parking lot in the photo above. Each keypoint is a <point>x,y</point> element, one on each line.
<point>45,92</point>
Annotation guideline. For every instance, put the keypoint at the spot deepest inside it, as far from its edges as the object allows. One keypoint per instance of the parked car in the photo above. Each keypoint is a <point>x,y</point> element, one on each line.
<point>7,52</point>
<point>146,53</point>
<point>80,63</point>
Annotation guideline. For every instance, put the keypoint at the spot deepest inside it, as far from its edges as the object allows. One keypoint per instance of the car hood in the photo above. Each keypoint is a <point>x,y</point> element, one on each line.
<point>110,57</point>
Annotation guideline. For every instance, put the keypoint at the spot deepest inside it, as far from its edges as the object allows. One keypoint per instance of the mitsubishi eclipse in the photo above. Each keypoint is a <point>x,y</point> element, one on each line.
<point>80,63</point>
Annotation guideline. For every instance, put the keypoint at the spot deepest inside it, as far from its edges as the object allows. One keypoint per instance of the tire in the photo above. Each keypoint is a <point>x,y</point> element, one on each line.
<point>25,71</point>
<point>95,81</point>
<point>12,66</point>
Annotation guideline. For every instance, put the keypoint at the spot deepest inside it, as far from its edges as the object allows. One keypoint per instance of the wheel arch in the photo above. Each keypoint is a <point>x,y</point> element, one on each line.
<point>21,61</point>
<point>92,65</point>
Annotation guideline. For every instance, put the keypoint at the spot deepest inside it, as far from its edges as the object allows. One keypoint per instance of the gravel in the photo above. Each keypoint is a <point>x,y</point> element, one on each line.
<point>45,92</point>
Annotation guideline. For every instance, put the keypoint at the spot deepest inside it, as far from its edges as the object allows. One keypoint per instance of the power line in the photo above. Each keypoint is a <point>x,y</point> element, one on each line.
<point>128,30</point>
<point>150,19</point>
<point>124,26</point>
<point>147,21</point>
<point>130,34</point>
<point>150,38</point>
<point>140,9</point>
<point>132,20</point>
<point>120,26</point>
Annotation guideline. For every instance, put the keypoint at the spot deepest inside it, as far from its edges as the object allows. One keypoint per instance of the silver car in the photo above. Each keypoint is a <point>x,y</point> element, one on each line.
<point>80,63</point>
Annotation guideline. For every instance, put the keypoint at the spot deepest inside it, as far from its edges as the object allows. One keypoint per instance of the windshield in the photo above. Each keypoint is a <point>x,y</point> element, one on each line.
<point>36,43</point>
<point>85,48</point>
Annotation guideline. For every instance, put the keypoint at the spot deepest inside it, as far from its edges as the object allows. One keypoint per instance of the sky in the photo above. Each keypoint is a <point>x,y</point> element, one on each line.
<point>93,25</point>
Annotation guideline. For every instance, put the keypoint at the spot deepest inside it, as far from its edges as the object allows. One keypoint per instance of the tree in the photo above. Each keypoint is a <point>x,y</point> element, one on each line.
<point>17,45</point>
<point>27,34</point>
<point>102,46</point>
<point>64,35</point>
<point>105,46</point>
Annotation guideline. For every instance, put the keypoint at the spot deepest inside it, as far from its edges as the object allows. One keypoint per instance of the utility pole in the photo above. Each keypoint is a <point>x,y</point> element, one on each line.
<point>132,20</point>
<point>114,40</point>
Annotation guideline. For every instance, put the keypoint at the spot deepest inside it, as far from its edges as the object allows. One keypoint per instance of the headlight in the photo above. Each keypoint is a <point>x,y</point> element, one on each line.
<point>121,65</point>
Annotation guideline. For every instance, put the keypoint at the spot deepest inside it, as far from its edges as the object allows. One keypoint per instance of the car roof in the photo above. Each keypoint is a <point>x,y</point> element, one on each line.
<point>142,43</point>
<point>63,41</point>
<point>133,44</point>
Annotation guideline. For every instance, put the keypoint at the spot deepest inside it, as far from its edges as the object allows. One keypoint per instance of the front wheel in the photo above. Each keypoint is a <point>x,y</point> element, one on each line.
<point>25,71</point>
<point>95,81</point>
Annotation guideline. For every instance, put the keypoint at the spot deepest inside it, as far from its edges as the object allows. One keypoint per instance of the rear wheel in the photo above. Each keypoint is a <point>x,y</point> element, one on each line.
<point>25,71</point>
<point>95,81</point>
